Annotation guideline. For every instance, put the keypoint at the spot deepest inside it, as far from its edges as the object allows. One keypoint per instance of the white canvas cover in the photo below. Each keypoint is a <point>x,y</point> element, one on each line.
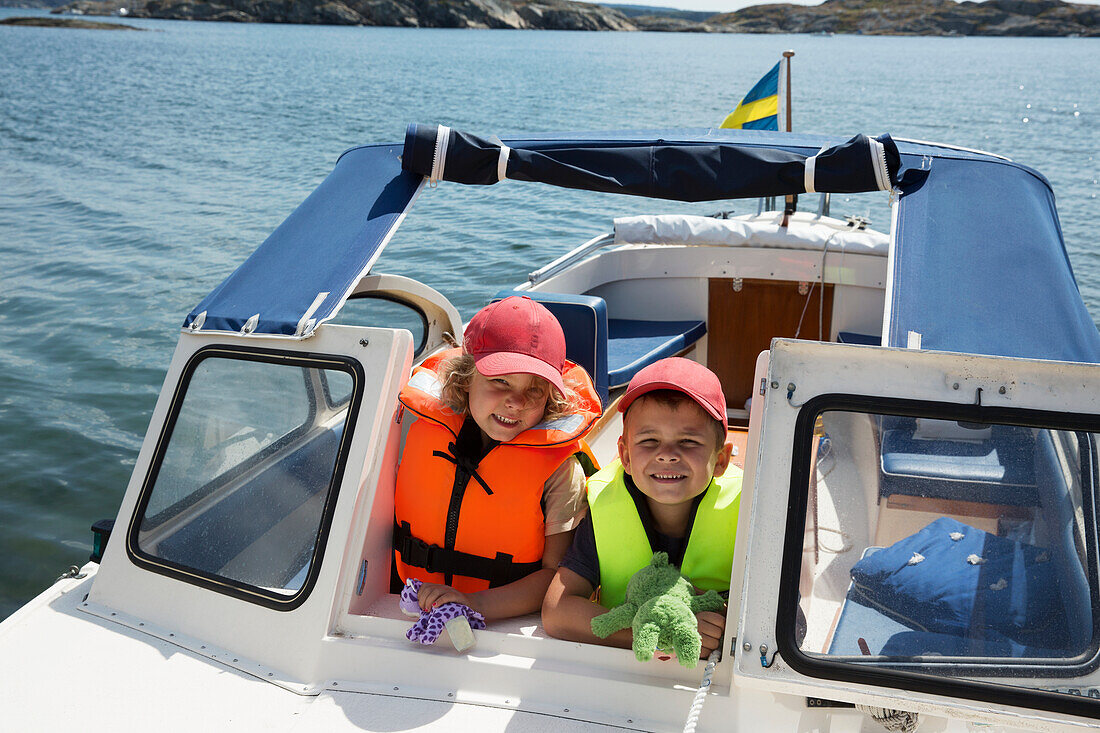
<point>806,235</point>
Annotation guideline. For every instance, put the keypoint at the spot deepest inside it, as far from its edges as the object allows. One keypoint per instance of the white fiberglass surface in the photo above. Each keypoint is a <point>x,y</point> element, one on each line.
<point>955,549</point>
<point>241,488</point>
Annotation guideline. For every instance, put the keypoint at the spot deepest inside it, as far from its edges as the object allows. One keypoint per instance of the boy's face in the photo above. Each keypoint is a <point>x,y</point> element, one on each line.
<point>671,452</point>
<point>505,406</point>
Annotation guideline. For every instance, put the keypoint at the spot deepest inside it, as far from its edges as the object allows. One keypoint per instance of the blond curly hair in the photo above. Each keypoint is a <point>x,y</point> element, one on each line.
<point>457,372</point>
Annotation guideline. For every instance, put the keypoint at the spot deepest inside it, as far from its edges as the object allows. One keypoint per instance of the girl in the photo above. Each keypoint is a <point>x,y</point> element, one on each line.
<point>491,484</point>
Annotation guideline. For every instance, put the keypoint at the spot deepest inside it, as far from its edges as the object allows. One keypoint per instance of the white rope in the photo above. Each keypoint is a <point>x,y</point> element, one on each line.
<point>810,294</point>
<point>897,721</point>
<point>439,160</point>
<point>701,694</point>
<point>502,162</point>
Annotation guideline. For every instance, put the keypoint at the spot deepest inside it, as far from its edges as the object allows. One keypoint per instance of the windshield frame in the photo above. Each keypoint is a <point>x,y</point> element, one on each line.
<point>222,584</point>
<point>1082,703</point>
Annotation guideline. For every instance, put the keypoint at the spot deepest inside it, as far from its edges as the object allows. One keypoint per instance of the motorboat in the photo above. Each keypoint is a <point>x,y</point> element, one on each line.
<point>916,413</point>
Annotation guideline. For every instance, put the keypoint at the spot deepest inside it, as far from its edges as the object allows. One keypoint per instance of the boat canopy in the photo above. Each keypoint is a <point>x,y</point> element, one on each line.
<point>680,171</point>
<point>304,271</point>
<point>980,266</point>
<point>979,262</point>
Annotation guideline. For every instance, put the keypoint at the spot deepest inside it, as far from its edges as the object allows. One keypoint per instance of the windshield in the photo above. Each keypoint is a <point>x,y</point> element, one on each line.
<point>249,463</point>
<point>952,549</point>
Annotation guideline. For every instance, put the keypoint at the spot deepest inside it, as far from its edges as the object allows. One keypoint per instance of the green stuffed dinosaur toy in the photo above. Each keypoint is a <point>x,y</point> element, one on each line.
<point>660,607</point>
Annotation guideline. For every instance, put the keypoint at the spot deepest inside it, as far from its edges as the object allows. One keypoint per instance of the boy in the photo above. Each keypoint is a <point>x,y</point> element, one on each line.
<point>672,489</point>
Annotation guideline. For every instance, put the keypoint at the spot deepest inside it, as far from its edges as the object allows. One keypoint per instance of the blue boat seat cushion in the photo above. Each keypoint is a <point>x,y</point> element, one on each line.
<point>996,470</point>
<point>612,350</point>
<point>633,344</point>
<point>862,339</point>
<point>885,636</point>
<point>950,578</point>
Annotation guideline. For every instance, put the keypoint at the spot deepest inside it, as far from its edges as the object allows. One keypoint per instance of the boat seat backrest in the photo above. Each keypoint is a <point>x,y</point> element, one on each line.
<point>994,469</point>
<point>612,350</point>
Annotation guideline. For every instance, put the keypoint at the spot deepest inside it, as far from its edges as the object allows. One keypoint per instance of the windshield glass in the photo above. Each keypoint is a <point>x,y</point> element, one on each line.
<point>243,478</point>
<point>951,548</point>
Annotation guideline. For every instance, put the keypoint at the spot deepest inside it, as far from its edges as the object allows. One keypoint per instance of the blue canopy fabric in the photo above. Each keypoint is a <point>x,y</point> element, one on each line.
<point>302,274</point>
<point>979,261</point>
<point>981,267</point>
<point>656,168</point>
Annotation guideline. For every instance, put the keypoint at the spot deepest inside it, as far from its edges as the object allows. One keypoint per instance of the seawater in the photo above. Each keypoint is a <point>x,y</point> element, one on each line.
<point>137,169</point>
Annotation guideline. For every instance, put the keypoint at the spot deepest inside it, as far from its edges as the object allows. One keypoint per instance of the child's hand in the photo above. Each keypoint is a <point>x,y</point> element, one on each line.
<point>435,594</point>
<point>711,627</point>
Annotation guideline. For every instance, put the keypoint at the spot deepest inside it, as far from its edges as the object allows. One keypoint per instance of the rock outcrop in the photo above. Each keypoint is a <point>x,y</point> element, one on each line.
<point>93,25</point>
<point>874,17</point>
<point>918,17</point>
<point>541,14</point>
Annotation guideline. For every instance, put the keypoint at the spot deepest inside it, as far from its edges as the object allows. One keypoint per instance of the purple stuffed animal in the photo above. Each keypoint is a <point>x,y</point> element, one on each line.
<point>455,617</point>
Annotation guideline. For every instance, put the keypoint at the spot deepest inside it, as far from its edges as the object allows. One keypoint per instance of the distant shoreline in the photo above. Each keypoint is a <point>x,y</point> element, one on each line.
<point>1006,18</point>
<point>40,22</point>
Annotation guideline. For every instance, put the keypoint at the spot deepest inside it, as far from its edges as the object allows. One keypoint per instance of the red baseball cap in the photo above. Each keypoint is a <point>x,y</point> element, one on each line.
<point>682,375</point>
<point>517,335</point>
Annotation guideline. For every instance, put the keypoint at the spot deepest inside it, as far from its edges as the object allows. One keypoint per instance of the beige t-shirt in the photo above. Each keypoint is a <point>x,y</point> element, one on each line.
<point>564,500</point>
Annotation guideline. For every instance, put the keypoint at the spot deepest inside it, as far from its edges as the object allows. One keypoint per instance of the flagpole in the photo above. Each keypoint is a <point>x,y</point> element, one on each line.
<point>787,55</point>
<point>792,200</point>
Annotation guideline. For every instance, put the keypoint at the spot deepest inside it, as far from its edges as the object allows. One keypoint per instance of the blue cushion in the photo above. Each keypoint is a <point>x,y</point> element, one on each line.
<point>858,621</point>
<point>888,637</point>
<point>848,337</point>
<point>583,318</point>
<point>1013,590</point>
<point>634,344</point>
<point>989,644</point>
<point>998,470</point>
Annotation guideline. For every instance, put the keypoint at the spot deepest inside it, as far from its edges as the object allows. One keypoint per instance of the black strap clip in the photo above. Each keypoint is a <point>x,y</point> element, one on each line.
<point>415,551</point>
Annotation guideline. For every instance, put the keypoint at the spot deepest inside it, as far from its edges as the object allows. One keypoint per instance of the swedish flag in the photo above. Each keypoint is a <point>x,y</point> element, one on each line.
<point>759,110</point>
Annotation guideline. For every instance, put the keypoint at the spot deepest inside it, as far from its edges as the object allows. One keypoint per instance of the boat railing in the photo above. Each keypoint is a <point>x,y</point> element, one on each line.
<point>571,257</point>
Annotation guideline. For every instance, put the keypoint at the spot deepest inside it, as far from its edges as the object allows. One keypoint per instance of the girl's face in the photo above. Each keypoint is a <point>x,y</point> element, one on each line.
<point>505,406</point>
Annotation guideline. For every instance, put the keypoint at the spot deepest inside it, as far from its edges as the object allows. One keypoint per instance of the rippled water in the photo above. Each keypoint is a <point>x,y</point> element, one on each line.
<point>138,169</point>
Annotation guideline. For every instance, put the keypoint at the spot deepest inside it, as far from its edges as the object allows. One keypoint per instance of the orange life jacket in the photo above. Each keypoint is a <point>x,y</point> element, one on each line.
<point>477,526</point>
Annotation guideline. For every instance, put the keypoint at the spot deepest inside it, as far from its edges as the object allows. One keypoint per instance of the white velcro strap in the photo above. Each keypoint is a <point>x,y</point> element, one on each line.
<point>502,162</point>
<point>307,322</point>
<point>809,177</point>
<point>811,167</point>
<point>442,139</point>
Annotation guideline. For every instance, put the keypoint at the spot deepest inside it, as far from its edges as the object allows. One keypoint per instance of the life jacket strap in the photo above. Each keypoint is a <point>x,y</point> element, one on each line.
<point>499,570</point>
<point>464,464</point>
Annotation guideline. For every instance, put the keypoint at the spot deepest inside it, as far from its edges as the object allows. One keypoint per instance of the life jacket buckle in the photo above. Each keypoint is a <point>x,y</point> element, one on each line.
<point>420,554</point>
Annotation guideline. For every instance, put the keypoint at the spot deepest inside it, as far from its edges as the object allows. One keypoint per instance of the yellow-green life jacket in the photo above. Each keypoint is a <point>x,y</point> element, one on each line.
<point>623,547</point>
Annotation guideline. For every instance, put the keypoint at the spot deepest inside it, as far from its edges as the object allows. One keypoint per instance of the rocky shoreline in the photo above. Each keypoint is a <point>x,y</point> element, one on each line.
<point>94,25</point>
<point>870,17</point>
